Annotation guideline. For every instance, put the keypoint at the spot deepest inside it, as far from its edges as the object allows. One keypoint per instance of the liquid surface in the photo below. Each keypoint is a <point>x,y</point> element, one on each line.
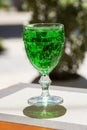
<point>43,46</point>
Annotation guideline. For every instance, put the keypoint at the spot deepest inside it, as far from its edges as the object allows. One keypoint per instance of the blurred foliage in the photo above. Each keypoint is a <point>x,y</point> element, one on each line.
<point>1,46</point>
<point>18,4</point>
<point>3,5</point>
<point>74,17</point>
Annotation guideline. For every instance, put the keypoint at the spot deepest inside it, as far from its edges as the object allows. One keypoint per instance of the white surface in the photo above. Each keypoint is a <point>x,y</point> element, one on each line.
<point>13,18</point>
<point>11,108</point>
<point>14,64</point>
<point>83,67</point>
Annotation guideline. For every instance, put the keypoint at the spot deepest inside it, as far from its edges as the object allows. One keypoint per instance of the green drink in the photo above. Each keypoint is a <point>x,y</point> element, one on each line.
<point>43,46</point>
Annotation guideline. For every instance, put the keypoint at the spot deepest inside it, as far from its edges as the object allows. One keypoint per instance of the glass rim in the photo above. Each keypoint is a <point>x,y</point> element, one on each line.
<point>43,25</point>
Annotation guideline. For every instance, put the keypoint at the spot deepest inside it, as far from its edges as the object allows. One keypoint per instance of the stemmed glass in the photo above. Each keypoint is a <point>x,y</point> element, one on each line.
<point>44,43</point>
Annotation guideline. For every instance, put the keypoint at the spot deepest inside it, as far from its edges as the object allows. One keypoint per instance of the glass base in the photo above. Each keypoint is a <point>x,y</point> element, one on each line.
<point>45,101</point>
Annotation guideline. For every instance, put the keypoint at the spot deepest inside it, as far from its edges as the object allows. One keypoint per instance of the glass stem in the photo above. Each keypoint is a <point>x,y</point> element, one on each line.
<point>45,82</point>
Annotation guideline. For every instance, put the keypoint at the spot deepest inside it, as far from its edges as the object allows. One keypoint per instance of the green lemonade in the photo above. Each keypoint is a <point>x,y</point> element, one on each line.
<point>44,46</point>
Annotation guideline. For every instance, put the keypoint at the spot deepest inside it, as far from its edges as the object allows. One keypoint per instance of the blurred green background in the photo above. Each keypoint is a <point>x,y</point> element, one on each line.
<point>73,14</point>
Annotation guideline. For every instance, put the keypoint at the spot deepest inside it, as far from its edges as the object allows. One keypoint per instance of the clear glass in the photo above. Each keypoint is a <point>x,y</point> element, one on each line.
<point>44,43</point>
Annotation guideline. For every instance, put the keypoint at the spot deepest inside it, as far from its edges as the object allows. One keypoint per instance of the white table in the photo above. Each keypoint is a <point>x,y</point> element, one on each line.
<point>14,99</point>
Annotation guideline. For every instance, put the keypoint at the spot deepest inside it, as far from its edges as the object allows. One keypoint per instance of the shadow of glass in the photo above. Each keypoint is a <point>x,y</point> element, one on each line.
<point>44,111</point>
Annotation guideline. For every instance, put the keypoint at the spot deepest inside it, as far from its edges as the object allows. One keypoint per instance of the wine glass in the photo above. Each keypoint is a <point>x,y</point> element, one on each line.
<point>44,43</point>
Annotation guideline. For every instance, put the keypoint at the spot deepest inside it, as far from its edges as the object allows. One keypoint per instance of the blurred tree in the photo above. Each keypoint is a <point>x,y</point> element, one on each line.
<point>1,46</point>
<point>4,5</point>
<point>18,4</point>
<point>74,17</point>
